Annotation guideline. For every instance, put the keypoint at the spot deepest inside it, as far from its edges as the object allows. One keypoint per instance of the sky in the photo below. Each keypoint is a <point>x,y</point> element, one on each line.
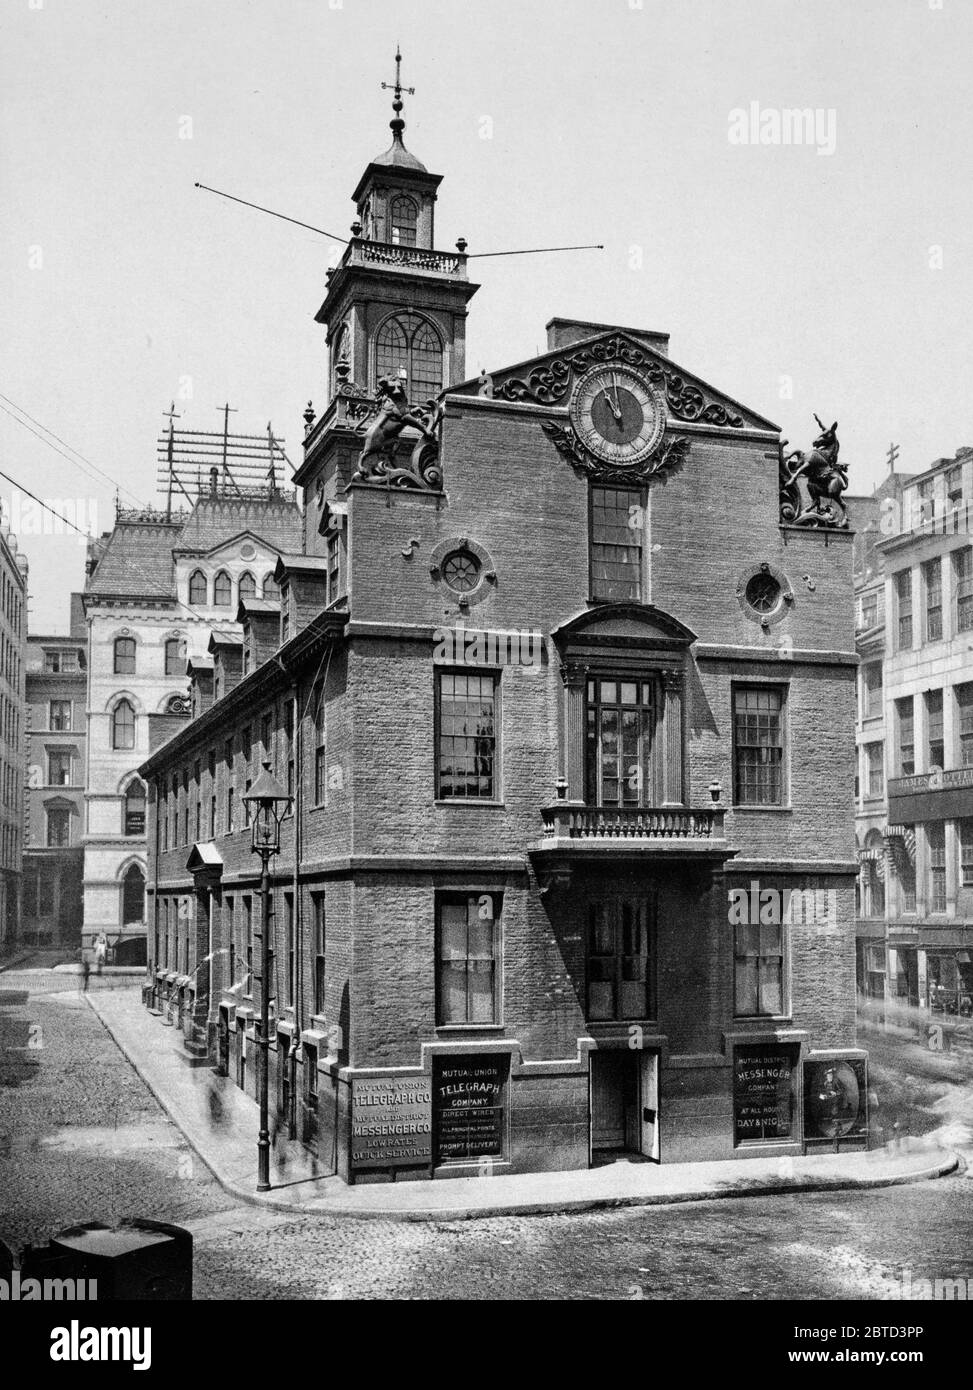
<point>830,274</point>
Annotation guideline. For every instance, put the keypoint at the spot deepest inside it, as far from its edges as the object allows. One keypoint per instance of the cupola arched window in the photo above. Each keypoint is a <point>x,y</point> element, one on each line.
<point>271,589</point>
<point>404,217</point>
<point>197,588</point>
<point>222,590</point>
<point>410,342</point>
<point>247,587</point>
<point>123,725</point>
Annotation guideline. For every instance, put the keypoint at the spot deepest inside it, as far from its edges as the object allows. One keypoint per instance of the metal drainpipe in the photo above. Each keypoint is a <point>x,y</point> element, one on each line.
<point>298,920</point>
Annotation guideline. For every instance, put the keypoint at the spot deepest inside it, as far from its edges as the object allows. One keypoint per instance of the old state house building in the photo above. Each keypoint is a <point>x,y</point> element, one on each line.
<point>567,714</point>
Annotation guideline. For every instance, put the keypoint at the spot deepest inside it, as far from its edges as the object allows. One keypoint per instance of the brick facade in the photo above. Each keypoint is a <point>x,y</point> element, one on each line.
<point>552,1061</point>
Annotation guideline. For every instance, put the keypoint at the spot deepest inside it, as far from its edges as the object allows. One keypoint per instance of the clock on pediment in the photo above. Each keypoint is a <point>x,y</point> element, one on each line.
<point>617,424</point>
<point>617,415</point>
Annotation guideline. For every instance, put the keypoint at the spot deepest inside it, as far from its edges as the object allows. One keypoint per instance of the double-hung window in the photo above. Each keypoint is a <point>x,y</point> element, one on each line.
<point>872,690</point>
<point>935,746</point>
<point>468,941</point>
<point>966,853</point>
<point>936,842</point>
<point>320,747</point>
<point>616,544</point>
<point>963,588</point>
<point>758,980</point>
<point>59,764</point>
<point>466,735</point>
<point>905,723</point>
<point>903,603</point>
<point>758,745</point>
<point>932,583</point>
<point>60,719</point>
<point>964,710</point>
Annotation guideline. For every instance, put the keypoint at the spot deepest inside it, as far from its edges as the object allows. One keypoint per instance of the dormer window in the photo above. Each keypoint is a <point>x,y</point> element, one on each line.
<point>271,589</point>
<point>411,344</point>
<point>247,587</point>
<point>222,590</point>
<point>404,218</point>
<point>197,589</point>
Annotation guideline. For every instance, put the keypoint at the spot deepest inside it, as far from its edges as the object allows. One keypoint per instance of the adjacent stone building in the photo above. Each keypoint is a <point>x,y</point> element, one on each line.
<point>567,715</point>
<point>13,639</point>
<point>158,584</point>
<point>54,796</point>
<point>915,736</point>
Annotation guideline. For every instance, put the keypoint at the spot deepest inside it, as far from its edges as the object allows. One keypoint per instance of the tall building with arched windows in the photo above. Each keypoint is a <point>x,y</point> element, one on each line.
<point>158,585</point>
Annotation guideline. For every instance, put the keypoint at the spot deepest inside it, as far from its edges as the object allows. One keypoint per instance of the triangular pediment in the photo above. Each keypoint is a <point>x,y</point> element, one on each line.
<point>548,380</point>
<point>229,549</point>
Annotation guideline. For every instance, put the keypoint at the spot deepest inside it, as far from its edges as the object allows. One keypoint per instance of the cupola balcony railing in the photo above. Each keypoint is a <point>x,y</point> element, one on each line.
<point>363,252</point>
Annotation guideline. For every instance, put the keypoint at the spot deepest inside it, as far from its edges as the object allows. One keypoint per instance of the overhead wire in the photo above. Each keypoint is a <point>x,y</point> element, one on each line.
<point>79,461</point>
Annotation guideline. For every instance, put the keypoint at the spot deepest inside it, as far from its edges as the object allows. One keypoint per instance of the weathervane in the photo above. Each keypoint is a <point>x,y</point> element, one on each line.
<point>397,123</point>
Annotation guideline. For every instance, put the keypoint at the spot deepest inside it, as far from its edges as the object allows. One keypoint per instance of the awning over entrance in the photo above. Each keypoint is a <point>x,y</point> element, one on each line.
<point>204,857</point>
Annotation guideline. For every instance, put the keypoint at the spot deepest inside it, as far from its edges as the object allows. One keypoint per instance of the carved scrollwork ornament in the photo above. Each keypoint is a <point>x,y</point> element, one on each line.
<point>669,458</point>
<point>550,384</point>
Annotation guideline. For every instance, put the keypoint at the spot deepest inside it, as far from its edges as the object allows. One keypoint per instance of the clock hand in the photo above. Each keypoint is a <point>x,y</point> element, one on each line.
<point>614,406</point>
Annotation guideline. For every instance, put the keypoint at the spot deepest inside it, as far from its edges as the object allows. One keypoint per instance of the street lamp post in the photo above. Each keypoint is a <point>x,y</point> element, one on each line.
<point>267,801</point>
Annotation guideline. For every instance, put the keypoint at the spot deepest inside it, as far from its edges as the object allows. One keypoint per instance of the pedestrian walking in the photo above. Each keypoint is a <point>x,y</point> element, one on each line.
<point>101,951</point>
<point>85,973</point>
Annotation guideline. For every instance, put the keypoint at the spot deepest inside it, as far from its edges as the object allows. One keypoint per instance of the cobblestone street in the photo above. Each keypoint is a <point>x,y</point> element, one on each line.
<point>81,1138</point>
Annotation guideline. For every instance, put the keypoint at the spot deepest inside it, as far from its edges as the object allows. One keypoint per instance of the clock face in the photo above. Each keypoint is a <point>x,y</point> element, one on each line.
<point>617,415</point>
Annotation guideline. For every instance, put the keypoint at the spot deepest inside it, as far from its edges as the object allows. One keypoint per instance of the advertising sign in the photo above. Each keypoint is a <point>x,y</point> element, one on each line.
<point>391,1122</point>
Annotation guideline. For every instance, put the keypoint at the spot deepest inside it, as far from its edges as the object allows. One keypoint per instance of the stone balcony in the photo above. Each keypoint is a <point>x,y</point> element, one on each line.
<point>575,834</point>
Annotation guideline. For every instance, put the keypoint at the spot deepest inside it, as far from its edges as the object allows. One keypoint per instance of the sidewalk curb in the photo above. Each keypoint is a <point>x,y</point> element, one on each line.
<point>949,1163</point>
<point>12,962</point>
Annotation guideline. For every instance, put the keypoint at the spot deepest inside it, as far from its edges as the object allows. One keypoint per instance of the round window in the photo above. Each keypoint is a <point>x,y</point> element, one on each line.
<point>461,571</point>
<point>763,593</point>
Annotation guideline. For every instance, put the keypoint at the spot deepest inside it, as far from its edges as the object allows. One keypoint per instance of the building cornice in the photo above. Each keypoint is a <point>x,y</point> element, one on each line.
<point>790,656</point>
